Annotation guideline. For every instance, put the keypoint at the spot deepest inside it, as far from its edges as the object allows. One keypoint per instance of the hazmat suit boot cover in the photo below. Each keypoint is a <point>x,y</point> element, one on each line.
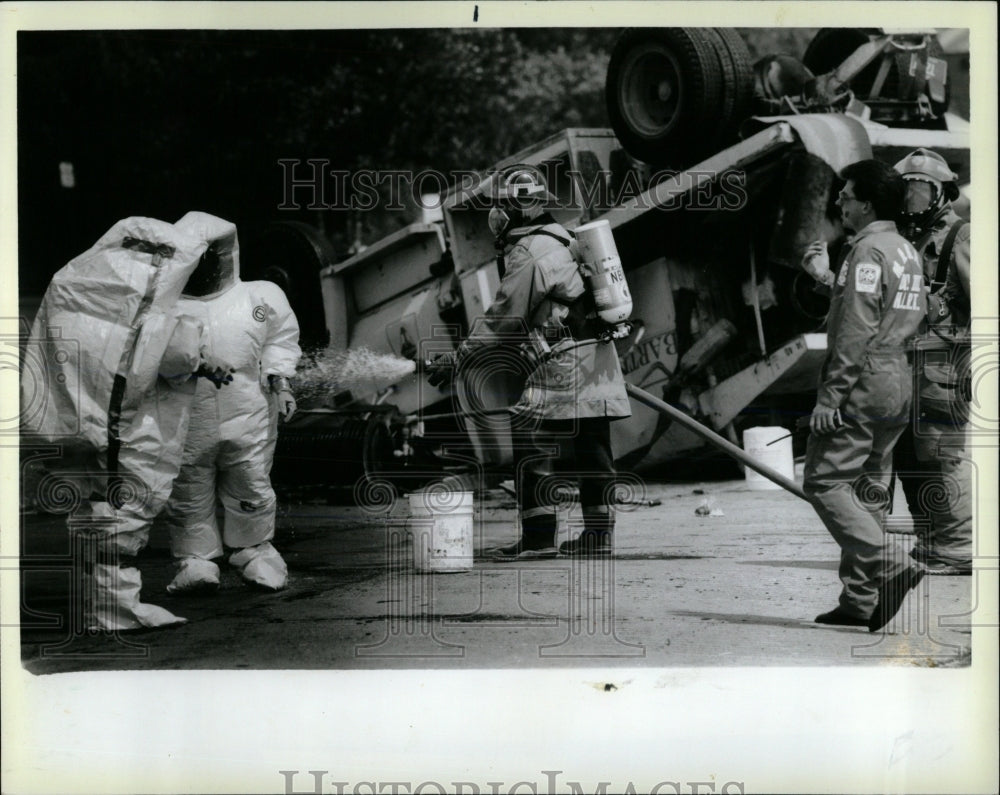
<point>104,307</point>
<point>194,575</point>
<point>112,601</point>
<point>262,566</point>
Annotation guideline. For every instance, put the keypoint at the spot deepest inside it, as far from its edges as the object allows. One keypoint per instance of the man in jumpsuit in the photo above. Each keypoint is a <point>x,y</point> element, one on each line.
<point>862,405</point>
<point>230,444</point>
<point>931,459</point>
<point>108,376</point>
<point>575,388</point>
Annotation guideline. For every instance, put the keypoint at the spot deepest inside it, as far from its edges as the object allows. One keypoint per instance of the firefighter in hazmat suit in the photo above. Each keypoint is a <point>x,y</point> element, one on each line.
<point>108,376</point>
<point>231,441</point>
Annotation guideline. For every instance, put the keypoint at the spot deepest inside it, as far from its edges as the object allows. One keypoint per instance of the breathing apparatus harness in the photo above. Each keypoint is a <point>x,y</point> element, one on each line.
<point>594,317</point>
<point>583,325</point>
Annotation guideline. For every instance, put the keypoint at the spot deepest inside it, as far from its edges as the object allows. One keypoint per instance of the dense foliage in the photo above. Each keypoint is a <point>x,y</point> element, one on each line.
<point>161,122</point>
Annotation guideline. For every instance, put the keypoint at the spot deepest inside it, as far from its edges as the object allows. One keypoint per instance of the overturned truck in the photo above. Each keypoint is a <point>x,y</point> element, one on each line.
<point>715,176</point>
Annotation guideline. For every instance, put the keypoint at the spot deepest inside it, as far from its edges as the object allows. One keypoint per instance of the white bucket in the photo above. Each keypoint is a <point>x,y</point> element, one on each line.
<point>777,456</point>
<point>441,526</point>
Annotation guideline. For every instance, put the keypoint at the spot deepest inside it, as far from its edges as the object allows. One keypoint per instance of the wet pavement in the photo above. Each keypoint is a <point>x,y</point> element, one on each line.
<point>739,586</point>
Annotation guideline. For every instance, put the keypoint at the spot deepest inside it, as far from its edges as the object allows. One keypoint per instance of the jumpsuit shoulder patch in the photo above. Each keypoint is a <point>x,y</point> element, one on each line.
<point>867,276</point>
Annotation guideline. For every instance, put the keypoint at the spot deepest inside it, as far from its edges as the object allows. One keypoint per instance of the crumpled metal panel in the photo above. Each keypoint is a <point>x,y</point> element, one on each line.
<point>837,139</point>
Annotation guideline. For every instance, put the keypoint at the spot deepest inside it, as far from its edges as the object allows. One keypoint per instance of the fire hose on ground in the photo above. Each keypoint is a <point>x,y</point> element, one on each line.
<point>642,396</point>
<point>713,438</point>
<point>692,362</point>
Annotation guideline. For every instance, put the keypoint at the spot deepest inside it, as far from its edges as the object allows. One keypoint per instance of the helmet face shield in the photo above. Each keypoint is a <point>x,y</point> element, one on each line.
<point>519,194</point>
<point>499,221</point>
<point>930,183</point>
<point>922,195</point>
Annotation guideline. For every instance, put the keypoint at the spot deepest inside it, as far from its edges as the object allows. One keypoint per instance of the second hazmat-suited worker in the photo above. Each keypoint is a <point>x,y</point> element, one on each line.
<point>230,444</point>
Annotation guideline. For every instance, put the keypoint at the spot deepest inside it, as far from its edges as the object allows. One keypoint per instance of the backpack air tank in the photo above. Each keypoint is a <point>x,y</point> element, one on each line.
<point>602,271</point>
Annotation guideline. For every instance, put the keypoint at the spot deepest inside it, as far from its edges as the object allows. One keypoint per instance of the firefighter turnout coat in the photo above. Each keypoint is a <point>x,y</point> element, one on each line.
<point>540,294</point>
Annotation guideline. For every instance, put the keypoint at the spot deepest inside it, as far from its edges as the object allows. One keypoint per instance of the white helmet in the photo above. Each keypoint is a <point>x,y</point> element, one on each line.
<point>519,193</point>
<point>926,167</point>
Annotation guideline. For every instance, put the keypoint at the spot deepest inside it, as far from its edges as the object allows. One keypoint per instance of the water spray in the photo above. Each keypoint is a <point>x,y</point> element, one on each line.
<point>357,370</point>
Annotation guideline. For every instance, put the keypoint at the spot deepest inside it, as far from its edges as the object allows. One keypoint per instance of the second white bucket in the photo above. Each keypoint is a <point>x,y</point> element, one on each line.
<point>441,525</point>
<point>763,445</point>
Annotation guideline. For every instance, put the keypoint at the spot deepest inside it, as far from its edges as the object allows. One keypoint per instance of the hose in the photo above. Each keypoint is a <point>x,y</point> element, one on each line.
<point>712,437</point>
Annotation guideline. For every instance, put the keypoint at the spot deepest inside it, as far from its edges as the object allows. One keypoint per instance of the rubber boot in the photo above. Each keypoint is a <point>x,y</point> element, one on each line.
<point>537,541</point>
<point>596,537</point>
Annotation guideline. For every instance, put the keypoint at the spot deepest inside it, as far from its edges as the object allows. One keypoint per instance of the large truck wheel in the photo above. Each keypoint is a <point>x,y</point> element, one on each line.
<point>664,91</point>
<point>737,84</point>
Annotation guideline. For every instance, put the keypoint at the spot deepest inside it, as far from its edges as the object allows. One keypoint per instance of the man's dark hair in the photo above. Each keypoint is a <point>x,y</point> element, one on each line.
<point>878,183</point>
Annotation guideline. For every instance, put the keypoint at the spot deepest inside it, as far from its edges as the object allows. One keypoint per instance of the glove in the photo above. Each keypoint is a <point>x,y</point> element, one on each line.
<point>619,331</point>
<point>286,405</point>
<point>440,370</point>
<point>286,400</point>
<point>217,374</point>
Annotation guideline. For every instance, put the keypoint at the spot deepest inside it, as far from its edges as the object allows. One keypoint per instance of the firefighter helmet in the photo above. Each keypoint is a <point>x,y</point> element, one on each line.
<point>522,187</point>
<point>923,167</point>
<point>519,193</point>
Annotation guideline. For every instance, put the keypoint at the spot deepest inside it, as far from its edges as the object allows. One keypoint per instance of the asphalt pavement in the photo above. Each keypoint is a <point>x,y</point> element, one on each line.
<point>704,574</point>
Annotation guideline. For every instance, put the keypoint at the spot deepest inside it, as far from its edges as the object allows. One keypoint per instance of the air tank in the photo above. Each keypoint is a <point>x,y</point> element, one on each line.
<point>602,269</point>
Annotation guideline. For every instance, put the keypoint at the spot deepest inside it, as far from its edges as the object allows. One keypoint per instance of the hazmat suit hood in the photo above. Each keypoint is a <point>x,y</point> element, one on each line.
<point>219,268</point>
<point>106,312</point>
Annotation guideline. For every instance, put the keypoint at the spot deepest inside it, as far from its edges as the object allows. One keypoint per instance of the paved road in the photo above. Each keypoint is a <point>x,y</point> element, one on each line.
<point>738,588</point>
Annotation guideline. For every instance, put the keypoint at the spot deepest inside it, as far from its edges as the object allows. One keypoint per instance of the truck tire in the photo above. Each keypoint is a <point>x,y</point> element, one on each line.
<point>664,92</point>
<point>737,83</point>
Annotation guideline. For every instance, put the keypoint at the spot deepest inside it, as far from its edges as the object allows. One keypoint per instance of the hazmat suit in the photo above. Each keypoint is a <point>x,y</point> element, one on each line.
<point>108,375</point>
<point>230,444</point>
<point>877,305</point>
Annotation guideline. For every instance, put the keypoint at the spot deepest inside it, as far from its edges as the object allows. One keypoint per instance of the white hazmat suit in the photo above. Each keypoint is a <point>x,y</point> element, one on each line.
<point>108,375</point>
<point>230,444</point>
